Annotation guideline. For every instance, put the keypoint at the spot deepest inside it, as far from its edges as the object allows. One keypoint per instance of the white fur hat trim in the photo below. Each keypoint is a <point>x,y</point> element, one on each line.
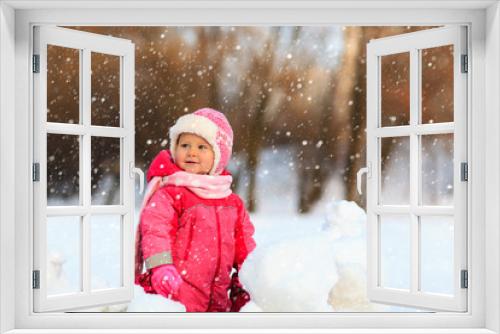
<point>198,125</point>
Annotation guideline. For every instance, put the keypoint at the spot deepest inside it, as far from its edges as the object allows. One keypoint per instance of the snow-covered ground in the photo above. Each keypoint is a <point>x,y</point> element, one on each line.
<point>313,262</point>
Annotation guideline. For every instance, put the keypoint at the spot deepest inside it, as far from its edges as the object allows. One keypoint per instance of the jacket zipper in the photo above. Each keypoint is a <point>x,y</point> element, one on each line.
<point>218,258</point>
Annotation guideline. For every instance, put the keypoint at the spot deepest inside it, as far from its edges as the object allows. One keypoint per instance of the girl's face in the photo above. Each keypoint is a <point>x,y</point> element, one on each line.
<point>194,154</point>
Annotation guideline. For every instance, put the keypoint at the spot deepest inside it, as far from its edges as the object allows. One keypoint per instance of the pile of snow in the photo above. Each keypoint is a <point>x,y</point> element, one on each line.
<point>146,302</point>
<point>310,263</point>
<point>292,275</point>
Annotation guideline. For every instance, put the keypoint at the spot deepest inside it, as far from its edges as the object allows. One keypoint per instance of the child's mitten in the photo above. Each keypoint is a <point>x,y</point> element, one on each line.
<point>166,280</point>
<point>238,295</point>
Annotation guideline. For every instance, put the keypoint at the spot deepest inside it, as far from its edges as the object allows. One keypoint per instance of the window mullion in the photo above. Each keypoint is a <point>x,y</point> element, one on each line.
<point>85,173</point>
<point>414,171</point>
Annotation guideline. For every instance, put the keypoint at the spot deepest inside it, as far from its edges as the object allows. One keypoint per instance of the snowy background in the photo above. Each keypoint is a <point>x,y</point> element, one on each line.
<point>295,97</point>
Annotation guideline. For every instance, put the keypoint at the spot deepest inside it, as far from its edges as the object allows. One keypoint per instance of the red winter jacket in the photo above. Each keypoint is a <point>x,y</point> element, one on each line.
<point>203,238</point>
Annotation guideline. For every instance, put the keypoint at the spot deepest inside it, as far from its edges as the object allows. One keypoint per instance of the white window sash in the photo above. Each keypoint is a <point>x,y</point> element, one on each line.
<point>85,43</point>
<point>482,121</point>
<point>411,43</point>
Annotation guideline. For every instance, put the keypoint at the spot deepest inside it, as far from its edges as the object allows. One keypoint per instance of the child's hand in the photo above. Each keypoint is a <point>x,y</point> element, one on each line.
<point>166,280</point>
<point>239,296</point>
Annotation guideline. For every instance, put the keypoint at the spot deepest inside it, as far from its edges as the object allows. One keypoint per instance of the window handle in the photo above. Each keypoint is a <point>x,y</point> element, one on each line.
<point>360,173</point>
<point>133,171</point>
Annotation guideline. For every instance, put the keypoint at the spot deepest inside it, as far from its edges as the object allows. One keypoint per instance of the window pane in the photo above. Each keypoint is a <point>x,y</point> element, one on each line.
<point>395,251</point>
<point>63,166</point>
<point>105,89</point>
<point>437,84</point>
<point>105,170</point>
<point>395,89</point>
<point>395,170</point>
<point>437,169</point>
<point>106,238</point>
<point>63,84</point>
<point>63,255</point>
<point>436,242</point>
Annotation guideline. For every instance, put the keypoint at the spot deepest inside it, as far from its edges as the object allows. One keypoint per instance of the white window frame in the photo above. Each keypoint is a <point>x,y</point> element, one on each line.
<point>16,19</point>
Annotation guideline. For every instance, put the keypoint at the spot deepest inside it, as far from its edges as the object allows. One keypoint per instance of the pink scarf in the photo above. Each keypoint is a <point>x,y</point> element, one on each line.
<point>205,186</point>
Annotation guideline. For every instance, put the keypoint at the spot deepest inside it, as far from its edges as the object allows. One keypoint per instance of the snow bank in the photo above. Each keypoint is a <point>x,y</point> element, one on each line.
<point>146,302</point>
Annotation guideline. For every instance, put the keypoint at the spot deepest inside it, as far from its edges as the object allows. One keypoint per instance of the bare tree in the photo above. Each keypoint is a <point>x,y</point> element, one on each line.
<point>258,86</point>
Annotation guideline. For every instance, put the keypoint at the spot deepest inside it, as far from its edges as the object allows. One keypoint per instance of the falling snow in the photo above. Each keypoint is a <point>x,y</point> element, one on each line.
<point>272,85</point>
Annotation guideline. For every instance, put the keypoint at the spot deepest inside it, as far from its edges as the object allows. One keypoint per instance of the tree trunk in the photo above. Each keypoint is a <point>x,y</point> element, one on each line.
<point>313,177</point>
<point>256,126</point>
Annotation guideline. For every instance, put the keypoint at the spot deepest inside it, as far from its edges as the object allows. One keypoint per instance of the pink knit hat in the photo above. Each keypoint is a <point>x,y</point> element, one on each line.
<point>212,126</point>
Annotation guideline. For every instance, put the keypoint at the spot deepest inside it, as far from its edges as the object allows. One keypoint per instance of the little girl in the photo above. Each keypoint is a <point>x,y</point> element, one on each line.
<point>194,233</point>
